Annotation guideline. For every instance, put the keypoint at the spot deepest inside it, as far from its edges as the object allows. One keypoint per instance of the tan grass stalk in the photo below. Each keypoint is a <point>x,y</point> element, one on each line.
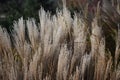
<point>117,52</point>
<point>85,62</point>
<point>76,75</point>
<point>34,63</point>
<point>80,35</point>
<point>63,64</point>
<point>33,33</point>
<point>108,69</point>
<point>98,50</point>
<point>19,28</point>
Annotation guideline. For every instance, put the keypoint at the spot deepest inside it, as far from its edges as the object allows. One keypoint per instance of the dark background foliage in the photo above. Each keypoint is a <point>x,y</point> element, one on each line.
<point>12,10</point>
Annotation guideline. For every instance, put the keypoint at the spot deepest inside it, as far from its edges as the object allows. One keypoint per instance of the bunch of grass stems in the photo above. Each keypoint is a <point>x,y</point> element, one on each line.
<point>57,49</point>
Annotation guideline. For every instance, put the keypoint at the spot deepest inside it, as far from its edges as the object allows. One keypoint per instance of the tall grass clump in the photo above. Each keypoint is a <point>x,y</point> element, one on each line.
<point>59,47</point>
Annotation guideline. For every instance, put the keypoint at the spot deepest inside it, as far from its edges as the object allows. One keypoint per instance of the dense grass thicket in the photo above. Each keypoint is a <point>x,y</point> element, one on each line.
<point>58,48</point>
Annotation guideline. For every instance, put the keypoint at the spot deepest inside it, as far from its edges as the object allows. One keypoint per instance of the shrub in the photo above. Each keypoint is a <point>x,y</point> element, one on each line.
<point>57,49</point>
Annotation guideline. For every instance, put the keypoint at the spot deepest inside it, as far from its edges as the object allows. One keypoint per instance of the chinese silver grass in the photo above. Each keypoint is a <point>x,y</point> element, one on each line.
<point>80,35</point>
<point>63,64</point>
<point>33,33</point>
<point>46,56</point>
